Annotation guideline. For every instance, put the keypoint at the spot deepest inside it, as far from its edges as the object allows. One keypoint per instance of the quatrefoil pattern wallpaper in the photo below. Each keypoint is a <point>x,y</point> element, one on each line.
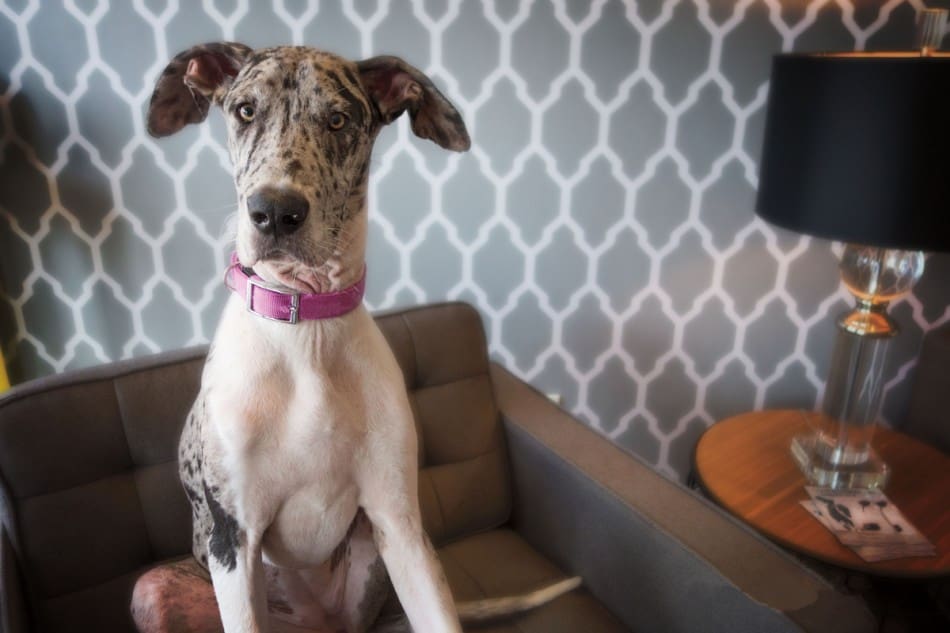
<point>602,222</point>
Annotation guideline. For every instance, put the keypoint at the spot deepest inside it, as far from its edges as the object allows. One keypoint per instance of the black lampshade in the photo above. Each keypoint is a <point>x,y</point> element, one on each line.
<point>857,149</point>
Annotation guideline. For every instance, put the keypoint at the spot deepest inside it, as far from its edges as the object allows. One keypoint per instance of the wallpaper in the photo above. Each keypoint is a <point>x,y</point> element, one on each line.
<point>602,222</point>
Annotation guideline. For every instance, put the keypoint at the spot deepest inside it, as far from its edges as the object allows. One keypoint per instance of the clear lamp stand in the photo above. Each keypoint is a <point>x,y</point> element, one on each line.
<point>838,452</point>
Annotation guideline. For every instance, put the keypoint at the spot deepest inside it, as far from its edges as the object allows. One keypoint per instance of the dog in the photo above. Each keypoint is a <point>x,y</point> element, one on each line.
<point>299,455</point>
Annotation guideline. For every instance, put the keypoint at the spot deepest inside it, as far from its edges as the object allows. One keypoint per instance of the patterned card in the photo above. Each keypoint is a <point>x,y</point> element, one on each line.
<point>867,522</point>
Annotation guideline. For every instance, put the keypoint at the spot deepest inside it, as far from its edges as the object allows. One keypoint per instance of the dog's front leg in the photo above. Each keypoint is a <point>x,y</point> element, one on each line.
<point>237,572</point>
<point>390,500</point>
<point>241,592</point>
<point>415,572</point>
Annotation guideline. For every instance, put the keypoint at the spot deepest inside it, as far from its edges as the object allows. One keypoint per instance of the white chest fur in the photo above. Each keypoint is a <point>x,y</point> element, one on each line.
<point>292,411</point>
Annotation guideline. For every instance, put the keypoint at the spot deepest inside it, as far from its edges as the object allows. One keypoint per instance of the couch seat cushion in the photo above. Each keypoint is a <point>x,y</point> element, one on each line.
<point>501,563</point>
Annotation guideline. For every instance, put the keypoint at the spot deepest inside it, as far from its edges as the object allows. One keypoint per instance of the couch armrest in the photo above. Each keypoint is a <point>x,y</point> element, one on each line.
<point>658,556</point>
<point>13,613</point>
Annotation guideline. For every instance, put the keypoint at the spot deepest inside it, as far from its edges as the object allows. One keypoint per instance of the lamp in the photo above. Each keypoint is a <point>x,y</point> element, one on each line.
<point>857,149</point>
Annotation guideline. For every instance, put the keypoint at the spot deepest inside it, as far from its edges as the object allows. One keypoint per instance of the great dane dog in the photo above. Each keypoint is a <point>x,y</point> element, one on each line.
<point>299,455</point>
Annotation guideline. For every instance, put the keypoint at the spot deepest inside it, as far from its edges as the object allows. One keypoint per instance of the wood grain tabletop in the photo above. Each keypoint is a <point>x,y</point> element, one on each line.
<point>745,464</point>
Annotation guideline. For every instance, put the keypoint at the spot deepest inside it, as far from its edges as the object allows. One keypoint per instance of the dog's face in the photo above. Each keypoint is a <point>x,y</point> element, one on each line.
<point>301,125</point>
<point>300,131</point>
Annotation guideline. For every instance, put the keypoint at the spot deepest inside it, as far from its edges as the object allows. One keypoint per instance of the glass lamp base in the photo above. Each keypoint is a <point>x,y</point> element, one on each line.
<point>870,474</point>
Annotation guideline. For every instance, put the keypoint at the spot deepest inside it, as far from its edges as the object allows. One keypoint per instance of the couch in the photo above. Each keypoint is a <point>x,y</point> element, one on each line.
<point>514,493</point>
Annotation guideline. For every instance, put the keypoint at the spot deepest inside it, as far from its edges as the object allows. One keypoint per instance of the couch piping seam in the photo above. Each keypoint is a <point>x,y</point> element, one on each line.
<point>183,360</point>
<point>128,471</point>
<point>412,344</point>
<point>474,580</point>
<point>438,501</point>
<point>132,471</point>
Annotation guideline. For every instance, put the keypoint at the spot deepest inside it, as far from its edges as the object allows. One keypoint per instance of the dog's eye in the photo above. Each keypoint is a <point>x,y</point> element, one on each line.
<point>336,121</point>
<point>246,112</point>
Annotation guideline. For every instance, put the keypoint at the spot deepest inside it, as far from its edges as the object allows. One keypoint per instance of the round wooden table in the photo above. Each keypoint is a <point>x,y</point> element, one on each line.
<point>745,464</point>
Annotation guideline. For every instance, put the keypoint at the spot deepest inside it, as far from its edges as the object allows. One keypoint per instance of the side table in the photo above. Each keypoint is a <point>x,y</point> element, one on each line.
<point>744,464</point>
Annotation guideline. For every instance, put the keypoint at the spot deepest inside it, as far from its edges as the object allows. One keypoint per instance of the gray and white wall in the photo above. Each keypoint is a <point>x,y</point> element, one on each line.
<point>602,222</point>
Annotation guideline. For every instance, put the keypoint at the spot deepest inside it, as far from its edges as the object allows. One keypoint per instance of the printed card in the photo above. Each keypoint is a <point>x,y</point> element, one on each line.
<point>868,522</point>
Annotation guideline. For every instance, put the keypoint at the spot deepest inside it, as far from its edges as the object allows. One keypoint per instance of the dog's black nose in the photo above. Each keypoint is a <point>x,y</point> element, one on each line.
<point>277,211</point>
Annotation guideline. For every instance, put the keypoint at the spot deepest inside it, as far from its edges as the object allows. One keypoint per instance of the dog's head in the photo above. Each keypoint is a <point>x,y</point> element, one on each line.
<point>301,125</point>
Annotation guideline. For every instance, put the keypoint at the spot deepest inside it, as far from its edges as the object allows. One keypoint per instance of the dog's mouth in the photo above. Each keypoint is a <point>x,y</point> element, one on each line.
<point>291,274</point>
<point>278,266</point>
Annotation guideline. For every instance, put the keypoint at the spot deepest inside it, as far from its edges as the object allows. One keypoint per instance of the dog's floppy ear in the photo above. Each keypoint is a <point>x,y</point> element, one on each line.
<point>191,82</point>
<point>395,86</point>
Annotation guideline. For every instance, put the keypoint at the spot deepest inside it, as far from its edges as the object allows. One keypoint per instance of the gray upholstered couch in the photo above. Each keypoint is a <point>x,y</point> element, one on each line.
<point>514,493</point>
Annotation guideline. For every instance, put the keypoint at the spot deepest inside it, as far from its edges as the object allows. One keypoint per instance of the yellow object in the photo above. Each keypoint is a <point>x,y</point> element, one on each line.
<point>4,379</point>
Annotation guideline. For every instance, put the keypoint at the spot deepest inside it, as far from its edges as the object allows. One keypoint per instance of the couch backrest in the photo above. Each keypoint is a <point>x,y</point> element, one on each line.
<point>90,493</point>
<point>463,482</point>
<point>90,497</point>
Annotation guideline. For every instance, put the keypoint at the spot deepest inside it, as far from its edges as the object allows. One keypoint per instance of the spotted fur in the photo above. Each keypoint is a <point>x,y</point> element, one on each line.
<point>299,456</point>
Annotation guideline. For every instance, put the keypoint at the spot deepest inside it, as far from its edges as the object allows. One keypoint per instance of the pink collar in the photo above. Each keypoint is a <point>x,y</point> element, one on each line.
<point>291,307</point>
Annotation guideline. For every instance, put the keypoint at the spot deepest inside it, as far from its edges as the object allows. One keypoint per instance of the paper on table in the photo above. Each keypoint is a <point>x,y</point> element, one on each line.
<point>867,522</point>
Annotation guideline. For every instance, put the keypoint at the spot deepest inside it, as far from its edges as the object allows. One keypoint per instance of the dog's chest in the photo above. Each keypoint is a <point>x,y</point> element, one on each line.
<point>292,449</point>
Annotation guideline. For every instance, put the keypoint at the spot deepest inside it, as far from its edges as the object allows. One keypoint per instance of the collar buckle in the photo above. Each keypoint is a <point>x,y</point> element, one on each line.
<point>249,301</point>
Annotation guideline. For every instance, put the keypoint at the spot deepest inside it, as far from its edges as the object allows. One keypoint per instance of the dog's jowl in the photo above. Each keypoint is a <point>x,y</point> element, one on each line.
<point>299,456</point>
